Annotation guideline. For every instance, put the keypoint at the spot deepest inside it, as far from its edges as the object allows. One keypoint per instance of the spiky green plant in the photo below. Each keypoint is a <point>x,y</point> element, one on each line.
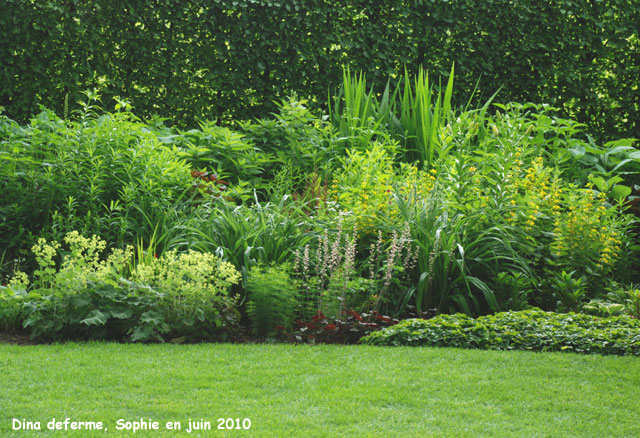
<point>420,118</point>
<point>415,117</point>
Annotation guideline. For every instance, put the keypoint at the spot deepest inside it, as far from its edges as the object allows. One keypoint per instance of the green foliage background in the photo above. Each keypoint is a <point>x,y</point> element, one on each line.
<point>229,59</point>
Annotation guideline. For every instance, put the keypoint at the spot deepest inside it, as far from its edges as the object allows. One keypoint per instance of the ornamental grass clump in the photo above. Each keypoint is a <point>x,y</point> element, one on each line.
<point>413,114</point>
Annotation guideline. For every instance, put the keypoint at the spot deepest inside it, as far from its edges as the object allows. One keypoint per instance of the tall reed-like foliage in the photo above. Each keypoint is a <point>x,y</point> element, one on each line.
<point>420,118</point>
<point>356,113</point>
<point>414,113</point>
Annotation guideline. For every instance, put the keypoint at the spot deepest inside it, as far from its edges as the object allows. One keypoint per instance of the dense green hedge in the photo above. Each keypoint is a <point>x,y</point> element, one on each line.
<point>533,330</point>
<point>231,58</point>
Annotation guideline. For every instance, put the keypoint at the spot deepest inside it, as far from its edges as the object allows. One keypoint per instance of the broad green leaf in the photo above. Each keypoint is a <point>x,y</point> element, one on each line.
<point>599,182</point>
<point>620,192</point>
<point>95,317</point>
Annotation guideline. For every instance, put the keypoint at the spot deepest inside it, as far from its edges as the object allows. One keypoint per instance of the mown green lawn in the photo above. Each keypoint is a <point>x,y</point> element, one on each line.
<point>320,391</point>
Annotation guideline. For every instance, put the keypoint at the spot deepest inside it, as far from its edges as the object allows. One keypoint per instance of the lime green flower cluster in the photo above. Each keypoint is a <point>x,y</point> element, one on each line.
<point>189,274</point>
<point>19,281</point>
<point>81,263</point>
<point>45,254</point>
<point>83,250</point>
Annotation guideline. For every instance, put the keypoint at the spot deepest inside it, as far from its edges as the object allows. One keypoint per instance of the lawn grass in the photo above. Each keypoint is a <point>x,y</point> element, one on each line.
<point>321,391</point>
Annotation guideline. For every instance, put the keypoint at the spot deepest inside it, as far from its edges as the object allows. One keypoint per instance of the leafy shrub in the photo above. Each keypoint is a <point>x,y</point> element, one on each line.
<point>105,174</point>
<point>226,154</point>
<point>532,330</point>
<point>295,137</point>
<point>367,182</point>
<point>151,298</point>
<point>273,299</point>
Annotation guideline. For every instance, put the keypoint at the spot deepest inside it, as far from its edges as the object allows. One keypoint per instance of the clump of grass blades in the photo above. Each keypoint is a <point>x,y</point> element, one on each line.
<point>414,116</point>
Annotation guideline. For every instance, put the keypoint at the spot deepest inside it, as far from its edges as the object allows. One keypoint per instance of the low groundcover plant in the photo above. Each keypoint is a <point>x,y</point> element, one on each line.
<point>532,330</point>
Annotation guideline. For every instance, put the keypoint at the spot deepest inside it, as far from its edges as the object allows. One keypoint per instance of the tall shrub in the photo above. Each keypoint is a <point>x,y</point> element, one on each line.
<point>231,58</point>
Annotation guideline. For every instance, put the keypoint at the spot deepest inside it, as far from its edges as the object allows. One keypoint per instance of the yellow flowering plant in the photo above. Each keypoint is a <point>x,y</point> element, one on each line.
<point>190,277</point>
<point>519,211</point>
<point>587,233</point>
<point>368,183</point>
<point>570,229</point>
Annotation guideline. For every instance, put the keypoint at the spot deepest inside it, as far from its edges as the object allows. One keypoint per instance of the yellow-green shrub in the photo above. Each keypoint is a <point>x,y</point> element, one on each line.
<point>368,182</point>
